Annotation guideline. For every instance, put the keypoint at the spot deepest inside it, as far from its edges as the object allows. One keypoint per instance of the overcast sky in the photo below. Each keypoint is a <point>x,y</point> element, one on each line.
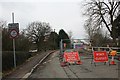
<point>61,14</point>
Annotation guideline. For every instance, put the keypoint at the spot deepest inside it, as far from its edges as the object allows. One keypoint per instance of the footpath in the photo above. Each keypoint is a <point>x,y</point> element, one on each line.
<point>26,67</point>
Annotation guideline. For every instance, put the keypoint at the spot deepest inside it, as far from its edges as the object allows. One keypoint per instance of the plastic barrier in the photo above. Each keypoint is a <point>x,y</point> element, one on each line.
<point>71,57</point>
<point>100,56</point>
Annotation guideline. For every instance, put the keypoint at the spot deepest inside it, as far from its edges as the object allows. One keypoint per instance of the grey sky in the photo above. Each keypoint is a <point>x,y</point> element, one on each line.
<point>65,15</point>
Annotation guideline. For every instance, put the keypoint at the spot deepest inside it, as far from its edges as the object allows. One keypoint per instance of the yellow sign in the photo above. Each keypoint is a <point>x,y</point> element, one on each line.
<point>113,53</point>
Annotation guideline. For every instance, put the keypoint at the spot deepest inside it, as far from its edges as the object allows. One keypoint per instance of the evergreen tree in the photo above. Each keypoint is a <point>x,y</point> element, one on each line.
<point>53,40</point>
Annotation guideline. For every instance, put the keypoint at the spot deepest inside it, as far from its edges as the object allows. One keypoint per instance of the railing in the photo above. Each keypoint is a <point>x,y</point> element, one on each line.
<point>108,49</point>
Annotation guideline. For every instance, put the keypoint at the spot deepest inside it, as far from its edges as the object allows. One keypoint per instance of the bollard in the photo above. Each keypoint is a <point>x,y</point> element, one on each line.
<point>112,61</point>
<point>113,53</point>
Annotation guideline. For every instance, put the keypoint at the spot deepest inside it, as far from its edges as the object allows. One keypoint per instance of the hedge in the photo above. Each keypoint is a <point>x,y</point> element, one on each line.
<point>8,59</point>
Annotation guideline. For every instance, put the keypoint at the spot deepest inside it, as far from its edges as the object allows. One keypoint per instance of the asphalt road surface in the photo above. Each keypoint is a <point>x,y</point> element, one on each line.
<point>51,68</point>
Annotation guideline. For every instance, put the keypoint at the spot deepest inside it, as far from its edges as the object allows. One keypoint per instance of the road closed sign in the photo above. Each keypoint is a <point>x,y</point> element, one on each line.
<point>71,57</point>
<point>100,56</point>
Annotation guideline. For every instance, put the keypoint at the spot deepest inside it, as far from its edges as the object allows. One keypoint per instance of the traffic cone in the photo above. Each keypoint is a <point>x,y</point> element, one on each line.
<point>112,62</point>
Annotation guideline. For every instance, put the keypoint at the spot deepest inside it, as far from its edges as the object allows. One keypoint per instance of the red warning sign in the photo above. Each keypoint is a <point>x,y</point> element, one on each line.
<point>71,57</point>
<point>100,56</point>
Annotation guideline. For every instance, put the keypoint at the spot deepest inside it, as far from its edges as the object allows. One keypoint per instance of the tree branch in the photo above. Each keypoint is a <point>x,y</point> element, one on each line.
<point>106,5</point>
<point>115,7</point>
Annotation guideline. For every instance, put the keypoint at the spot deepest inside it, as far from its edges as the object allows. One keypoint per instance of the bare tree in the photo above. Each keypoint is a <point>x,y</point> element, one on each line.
<point>37,31</point>
<point>102,12</point>
<point>97,37</point>
<point>3,24</point>
<point>90,29</point>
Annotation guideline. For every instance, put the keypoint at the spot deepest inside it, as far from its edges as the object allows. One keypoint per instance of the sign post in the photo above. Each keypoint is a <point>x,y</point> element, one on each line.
<point>13,33</point>
<point>14,53</point>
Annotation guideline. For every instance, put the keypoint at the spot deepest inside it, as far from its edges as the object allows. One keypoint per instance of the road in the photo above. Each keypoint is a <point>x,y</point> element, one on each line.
<point>51,68</point>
